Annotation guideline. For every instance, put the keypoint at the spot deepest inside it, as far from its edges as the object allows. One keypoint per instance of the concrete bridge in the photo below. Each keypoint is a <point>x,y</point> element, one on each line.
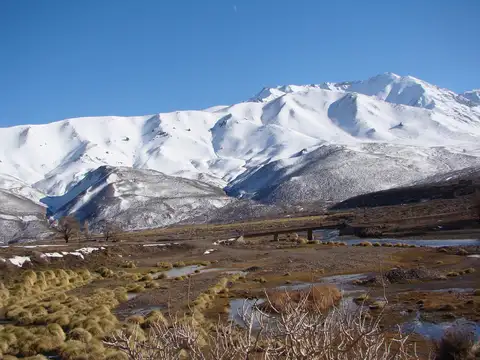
<point>308,229</point>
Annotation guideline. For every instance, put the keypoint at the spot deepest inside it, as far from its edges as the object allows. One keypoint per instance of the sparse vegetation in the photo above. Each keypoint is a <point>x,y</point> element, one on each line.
<point>286,335</point>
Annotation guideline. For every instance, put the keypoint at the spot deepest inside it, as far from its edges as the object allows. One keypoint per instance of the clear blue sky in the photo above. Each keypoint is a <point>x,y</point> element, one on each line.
<point>61,58</point>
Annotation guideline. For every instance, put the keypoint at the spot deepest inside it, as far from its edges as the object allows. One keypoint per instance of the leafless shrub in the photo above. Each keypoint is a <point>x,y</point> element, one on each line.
<point>295,333</point>
<point>68,227</point>
<point>109,230</point>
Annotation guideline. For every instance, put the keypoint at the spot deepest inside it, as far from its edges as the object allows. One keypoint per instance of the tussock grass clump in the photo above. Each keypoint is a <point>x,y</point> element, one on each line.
<point>84,274</point>
<point>44,344</point>
<point>453,274</point>
<point>117,355</point>
<point>135,319</point>
<point>302,241</point>
<point>154,317</point>
<point>133,276</point>
<point>200,263</point>
<point>361,298</point>
<point>178,264</point>
<point>147,277</point>
<point>29,277</point>
<point>129,264</point>
<point>75,350</point>
<point>365,243</point>
<point>38,311</point>
<point>261,280</point>
<point>152,285</point>
<point>36,357</point>
<point>317,298</point>
<point>4,294</point>
<point>60,318</point>
<point>135,288</point>
<point>469,271</point>
<point>476,292</point>
<point>80,335</point>
<point>377,244</point>
<point>105,272</point>
<point>164,265</point>
<point>120,294</point>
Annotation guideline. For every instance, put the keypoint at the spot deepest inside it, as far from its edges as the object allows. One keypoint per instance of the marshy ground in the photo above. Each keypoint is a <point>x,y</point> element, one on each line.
<point>81,299</point>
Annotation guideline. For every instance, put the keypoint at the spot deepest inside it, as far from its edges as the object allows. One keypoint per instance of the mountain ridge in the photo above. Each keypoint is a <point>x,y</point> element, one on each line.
<point>286,145</point>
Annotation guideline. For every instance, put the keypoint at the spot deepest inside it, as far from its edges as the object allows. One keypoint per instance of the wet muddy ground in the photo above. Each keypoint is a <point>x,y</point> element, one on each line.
<point>425,306</point>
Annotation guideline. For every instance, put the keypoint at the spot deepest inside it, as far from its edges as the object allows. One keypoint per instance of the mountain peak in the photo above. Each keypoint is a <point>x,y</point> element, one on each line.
<point>390,87</point>
<point>473,96</point>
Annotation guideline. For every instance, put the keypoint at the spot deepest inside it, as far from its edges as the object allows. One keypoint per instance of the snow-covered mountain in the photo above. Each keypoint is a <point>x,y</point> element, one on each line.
<point>473,96</point>
<point>288,144</point>
<point>136,198</point>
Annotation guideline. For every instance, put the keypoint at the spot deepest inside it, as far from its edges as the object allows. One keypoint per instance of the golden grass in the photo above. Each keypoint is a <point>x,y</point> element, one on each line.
<point>317,298</point>
<point>80,334</point>
<point>154,317</point>
<point>117,355</point>
<point>453,274</point>
<point>135,288</point>
<point>147,277</point>
<point>129,264</point>
<point>135,319</point>
<point>105,272</point>
<point>165,265</point>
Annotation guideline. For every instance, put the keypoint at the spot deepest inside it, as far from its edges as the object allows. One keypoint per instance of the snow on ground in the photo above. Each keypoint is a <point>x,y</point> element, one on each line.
<point>162,244</point>
<point>19,260</point>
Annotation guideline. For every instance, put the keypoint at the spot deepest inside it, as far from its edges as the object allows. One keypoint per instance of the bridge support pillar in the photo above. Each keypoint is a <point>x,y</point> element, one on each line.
<point>275,237</point>
<point>310,234</point>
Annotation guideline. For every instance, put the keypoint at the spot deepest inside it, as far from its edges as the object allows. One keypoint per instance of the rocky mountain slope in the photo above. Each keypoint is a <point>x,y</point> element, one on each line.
<point>136,199</point>
<point>287,145</point>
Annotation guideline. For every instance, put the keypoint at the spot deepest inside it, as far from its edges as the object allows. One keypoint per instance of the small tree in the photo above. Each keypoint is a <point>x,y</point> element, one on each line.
<point>68,226</point>
<point>109,230</point>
